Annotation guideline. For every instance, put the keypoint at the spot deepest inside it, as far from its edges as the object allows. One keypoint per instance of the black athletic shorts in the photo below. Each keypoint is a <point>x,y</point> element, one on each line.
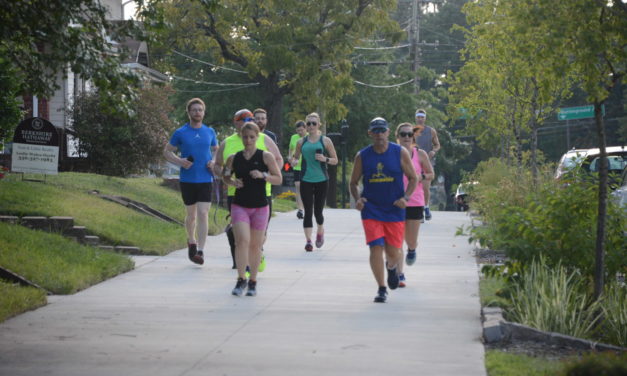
<point>296,175</point>
<point>195,192</point>
<point>414,212</point>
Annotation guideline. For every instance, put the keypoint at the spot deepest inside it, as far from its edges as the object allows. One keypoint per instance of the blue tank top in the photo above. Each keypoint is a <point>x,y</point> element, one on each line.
<point>383,183</point>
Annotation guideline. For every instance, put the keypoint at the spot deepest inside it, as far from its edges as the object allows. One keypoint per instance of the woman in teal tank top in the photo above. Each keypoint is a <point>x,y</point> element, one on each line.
<point>317,151</point>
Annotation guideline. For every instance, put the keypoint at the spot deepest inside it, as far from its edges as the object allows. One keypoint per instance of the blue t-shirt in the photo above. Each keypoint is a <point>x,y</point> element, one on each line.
<point>383,183</point>
<point>195,142</point>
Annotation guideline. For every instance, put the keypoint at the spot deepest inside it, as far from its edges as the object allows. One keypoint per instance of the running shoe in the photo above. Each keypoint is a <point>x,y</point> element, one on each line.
<point>262,264</point>
<point>401,280</point>
<point>191,251</point>
<point>382,295</point>
<point>247,272</point>
<point>410,259</point>
<point>239,287</point>
<point>309,246</point>
<point>252,288</point>
<point>319,240</point>
<point>393,279</point>
<point>427,213</point>
<point>299,214</point>
<point>198,258</point>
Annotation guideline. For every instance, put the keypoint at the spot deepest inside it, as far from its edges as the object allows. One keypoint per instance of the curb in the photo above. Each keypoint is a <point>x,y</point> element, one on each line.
<point>496,329</point>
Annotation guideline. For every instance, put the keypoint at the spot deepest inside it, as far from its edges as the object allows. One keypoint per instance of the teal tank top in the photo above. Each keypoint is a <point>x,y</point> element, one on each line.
<point>313,171</point>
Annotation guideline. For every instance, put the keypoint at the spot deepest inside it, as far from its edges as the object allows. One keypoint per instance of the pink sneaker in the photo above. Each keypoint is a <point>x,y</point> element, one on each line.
<point>319,240</point>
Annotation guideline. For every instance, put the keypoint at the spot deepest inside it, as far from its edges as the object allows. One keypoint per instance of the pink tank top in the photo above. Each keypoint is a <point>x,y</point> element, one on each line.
<point>418,197</point>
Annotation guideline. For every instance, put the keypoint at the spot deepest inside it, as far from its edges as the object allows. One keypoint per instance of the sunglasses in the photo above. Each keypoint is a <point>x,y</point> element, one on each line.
<point>310,123</point>
<point>405,134</point>
<point>378,130</point>
<point>247,119</point>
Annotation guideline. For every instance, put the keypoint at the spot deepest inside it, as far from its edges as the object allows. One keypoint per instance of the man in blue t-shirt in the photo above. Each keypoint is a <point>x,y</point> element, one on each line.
<point>197,144</point>
<point>382,202</point>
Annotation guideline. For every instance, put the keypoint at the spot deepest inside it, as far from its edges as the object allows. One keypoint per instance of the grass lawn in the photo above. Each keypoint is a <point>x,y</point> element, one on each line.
<point>500,363</point>
<point>55,263</point>
<point>15,299</point>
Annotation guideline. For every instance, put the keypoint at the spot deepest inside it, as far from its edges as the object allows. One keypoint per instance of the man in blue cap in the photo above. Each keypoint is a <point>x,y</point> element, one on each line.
<point>382,202</point>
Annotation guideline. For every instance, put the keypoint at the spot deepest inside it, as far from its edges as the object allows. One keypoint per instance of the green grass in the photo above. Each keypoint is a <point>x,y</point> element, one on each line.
<point>67,195</point>
<point>15,299</point>
<point>489,289</point>
<point>499,363</point>
<point>283,205</point>
<point>55,263</point>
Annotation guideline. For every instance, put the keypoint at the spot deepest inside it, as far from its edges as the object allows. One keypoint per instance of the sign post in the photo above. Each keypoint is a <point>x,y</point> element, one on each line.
<point>579,112</point>
<point>35,147</point>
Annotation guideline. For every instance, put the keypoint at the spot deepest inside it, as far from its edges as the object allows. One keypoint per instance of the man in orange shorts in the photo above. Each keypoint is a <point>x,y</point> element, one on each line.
<point>382,201</point>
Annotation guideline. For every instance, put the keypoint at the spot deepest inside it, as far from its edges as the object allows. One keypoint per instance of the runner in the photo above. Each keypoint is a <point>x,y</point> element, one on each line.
<point>382,202</point>
<point>197,144</point>
<point>232,145</point>
<point>301,131</point>
<point>427,140</point>
<point>414,210</point>
<point>317,151</point>
<point>248,171</point>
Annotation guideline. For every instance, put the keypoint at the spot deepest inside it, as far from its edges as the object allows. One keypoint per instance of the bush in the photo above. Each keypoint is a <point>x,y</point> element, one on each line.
<point>556,222</point>
<point>603,364</point>
<point>553,299</point>
<point>119,145</point>
<point>614,328</point>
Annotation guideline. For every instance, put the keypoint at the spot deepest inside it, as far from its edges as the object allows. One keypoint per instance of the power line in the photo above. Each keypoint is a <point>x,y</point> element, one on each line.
<point>383,86</point>
<point>382,48</point>
<point>208,63</point>
<point>214,83</point>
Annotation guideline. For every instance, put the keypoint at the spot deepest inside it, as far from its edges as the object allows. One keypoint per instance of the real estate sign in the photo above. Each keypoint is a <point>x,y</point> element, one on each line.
<point>35,147</point>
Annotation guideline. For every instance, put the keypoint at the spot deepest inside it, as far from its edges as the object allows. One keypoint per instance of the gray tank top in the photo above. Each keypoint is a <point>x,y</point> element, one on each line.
<point>425,140</point>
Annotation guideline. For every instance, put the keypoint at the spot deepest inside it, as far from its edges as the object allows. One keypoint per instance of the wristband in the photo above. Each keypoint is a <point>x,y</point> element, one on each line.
<point>422,175</point>
<point>406,198</point>
<point>327,159</point>
<point>265,175</point>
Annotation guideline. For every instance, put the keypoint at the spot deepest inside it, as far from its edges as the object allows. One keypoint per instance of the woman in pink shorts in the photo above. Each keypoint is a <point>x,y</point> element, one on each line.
<point>414,210</point>
<point>249,170</point>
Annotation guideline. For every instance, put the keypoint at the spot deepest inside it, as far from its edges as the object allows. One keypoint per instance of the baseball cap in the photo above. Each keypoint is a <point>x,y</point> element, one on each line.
<point>421,113</point>
<point>378,123</point>
<point>243,115</point>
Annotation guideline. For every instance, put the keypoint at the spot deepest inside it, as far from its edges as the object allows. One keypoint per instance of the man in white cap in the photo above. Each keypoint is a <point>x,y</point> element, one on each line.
<point>427,140</point>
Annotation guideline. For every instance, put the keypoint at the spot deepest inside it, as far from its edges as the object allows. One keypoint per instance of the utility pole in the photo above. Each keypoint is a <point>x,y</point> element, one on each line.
<point>414,48</point>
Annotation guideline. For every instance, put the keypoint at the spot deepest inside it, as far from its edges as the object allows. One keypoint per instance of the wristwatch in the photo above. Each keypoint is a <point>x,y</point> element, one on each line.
<point>406,198</point>
<point>265,175</point>
<point>327,159</point>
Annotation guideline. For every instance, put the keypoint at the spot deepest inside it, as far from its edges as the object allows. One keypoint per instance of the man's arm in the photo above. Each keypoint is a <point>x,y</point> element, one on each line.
<point>425,163</point>
<point>274,150</point>
<point>356,175</point>
<point>436,143</point>
<point>219,160</point>
<point>168,154</point>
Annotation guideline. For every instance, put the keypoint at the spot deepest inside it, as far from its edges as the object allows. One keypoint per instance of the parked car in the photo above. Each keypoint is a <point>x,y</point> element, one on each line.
<point>620,193</point>
<point>589,161</point>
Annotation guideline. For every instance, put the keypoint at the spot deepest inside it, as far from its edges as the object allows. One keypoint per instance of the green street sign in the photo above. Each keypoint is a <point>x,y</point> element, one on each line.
<point>579,112</point>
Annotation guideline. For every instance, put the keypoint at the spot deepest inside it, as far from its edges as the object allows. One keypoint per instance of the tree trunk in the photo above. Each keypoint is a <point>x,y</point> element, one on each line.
<point>599,268</point>
<point>273,104</point>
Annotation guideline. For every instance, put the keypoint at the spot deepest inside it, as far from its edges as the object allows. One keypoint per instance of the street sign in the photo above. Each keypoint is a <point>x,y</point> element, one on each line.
<point>579,112</point>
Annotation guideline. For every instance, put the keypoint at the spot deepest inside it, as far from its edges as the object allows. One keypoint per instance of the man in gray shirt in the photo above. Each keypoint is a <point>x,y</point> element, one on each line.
<point>427,140</point>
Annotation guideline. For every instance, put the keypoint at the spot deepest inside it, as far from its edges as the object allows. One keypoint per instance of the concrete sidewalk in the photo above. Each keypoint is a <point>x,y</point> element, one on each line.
<point>314,314</point>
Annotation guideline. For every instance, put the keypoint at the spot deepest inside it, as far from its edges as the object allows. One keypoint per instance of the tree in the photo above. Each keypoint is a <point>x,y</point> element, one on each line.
<point>41,38</point>
<point>10,114</point>
<point>503,80</point>
<point>585,38</point>
<point>117,144</point>
<point>300,48</point>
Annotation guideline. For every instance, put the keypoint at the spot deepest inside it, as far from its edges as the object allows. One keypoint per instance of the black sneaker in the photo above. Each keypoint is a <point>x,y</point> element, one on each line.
<point>199,258</point>
<point>239,287</point>
<point>252,288</point>
<point>382,295</point>
<point>299,214</point>
<point>191,251</point>
<point>393,279</point>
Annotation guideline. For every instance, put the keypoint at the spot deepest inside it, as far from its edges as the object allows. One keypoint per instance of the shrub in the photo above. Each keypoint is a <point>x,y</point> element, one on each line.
<point>119,145</point>
<point>558,222</point>
<point>553,299</point>
<point>601,364</point>
<point>614,328</point>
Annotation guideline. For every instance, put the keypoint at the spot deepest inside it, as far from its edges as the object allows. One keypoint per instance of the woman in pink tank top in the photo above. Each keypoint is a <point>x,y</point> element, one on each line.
<point>414,210</point>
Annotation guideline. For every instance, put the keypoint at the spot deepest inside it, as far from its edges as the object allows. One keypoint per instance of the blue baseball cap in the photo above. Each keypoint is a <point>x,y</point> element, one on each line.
<point>378,123</point>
